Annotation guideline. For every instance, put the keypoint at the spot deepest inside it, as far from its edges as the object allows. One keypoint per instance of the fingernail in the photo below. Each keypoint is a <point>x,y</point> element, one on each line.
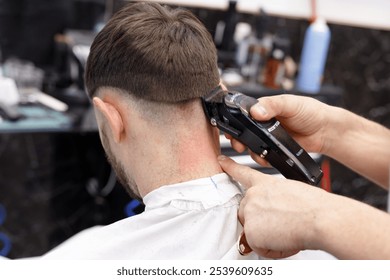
<point>243,247</point>
<point>260,109</point>
<point>221,158</point>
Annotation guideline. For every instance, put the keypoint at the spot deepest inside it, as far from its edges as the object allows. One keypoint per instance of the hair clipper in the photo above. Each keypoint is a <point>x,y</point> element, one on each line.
<point>229,111</point>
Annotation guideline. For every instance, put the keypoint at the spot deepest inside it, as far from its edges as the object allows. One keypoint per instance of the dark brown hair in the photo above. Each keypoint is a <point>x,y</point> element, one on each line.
<point>155,53</point>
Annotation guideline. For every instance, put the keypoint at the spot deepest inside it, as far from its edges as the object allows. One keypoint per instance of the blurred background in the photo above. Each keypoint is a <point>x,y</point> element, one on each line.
<point>54,178</point>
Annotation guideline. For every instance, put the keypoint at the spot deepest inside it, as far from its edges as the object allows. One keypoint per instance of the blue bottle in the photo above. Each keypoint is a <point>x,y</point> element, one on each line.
<point>313,57</point>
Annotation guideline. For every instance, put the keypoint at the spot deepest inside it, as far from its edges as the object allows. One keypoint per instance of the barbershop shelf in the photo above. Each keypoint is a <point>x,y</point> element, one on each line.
<point>38,118</point>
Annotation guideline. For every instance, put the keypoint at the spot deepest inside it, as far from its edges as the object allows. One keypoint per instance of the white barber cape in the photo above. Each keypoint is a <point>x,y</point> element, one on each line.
<point>190,220</point>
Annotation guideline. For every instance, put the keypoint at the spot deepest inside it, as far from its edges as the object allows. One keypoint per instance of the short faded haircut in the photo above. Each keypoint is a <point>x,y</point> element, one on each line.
<point>155,53</point>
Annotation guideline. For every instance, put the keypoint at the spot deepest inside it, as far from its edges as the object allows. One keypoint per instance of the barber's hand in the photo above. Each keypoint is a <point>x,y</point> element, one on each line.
<point>278,215</point>
<point>304,118</point>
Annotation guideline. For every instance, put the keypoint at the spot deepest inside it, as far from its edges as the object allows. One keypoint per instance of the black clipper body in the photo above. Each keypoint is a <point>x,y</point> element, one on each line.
<point>229,111</point>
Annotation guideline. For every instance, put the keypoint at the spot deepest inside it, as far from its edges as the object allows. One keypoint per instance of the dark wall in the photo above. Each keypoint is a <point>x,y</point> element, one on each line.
<point>28,27</point>
<point>359,62</point>
<point>50,188</point>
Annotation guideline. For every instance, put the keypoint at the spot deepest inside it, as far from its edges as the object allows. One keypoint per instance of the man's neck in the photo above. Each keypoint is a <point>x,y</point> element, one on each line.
<point>164,159</point>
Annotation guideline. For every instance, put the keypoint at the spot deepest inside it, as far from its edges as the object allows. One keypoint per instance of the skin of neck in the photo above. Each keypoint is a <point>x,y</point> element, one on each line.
<point>178,151</point>
<point>171,146</point>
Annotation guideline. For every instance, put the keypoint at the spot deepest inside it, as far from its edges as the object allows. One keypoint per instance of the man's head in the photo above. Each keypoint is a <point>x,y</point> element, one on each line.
<point>153,53</point>
<point>146,70</point>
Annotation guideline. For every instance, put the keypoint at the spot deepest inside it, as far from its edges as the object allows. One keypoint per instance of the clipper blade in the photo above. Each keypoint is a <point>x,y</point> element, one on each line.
<point>216,95</point>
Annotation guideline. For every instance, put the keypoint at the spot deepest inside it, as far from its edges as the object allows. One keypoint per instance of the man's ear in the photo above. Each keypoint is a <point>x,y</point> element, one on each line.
<point>112,115</point>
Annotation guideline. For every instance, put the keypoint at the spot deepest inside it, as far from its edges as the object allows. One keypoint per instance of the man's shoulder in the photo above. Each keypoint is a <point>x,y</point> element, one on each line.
<point>91,242</point>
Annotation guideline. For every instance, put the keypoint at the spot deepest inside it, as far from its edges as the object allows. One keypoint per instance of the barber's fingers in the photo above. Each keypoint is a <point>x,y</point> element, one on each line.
<point>241,173</point>
<point>241,210</point>
<point>248,244</point>
<point>237,145</point>
<point>284,105</point>
<point>250,239</point>
<point>257,158</point>
<point>271,254</point>
<point>240,148</point>
<point>243,246</point>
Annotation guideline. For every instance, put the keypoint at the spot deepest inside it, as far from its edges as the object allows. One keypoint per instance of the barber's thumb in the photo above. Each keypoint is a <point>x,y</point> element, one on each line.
<point>241,173</point>
<point>259,111</point>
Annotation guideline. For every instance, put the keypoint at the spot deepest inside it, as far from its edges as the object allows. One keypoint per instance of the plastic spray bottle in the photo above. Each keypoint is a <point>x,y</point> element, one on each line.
<point>313,57</point>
